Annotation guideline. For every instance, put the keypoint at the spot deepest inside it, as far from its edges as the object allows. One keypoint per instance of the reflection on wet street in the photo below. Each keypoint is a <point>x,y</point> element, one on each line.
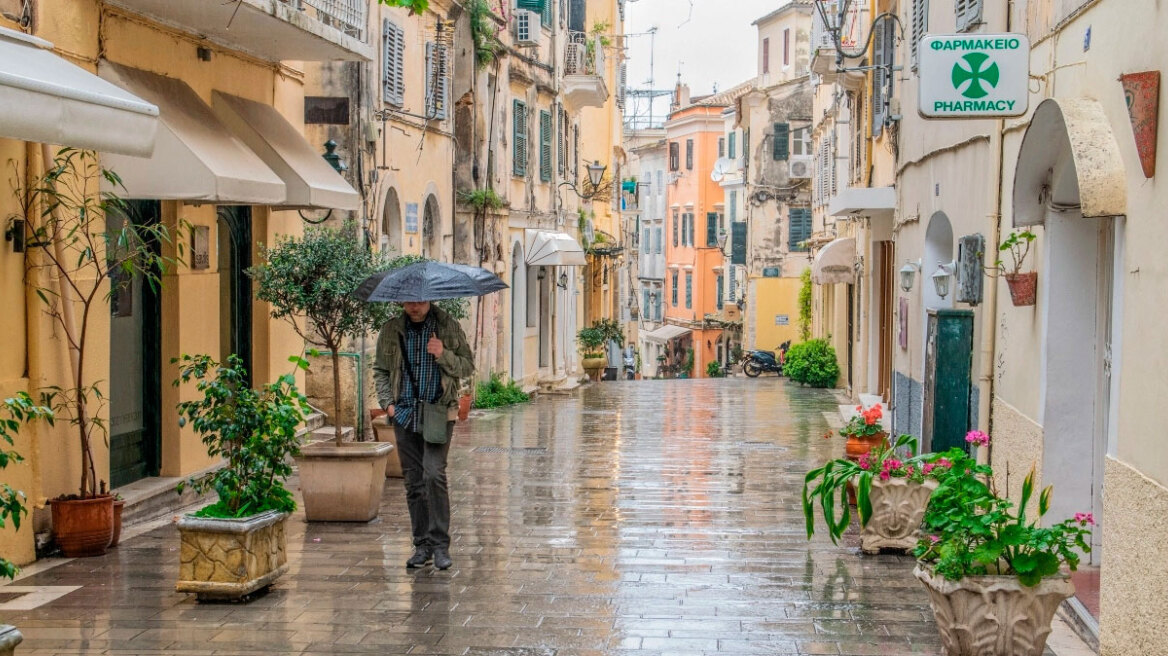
<point>654,517</point>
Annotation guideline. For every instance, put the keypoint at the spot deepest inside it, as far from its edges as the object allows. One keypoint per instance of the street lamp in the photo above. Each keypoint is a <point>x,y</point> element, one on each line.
<point>723,237</point>
<point>907,273</point>
<point>941,278</point>
<point>596,173</point>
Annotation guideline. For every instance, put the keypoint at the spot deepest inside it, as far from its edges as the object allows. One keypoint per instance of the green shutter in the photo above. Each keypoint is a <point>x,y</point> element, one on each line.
<point>720,286</point>
<point>799,230</point>
<point>738,246</point>
<point>674,298</point>
<point>711,228</point>
<point>538,6</point>
<point>675,228</point>
<point>545,146</point>
<point>782,139</point>
<point>732,152</point>
<point>689,290</point>
<point>519,138</point>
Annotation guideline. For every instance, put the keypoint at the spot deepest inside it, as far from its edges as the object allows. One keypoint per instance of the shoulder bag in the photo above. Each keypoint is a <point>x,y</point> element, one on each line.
<point>432,417</point>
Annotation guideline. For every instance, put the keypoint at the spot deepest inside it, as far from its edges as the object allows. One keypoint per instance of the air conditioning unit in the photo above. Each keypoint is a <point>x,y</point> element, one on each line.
<point>527,27</point>
<point>799,168</point>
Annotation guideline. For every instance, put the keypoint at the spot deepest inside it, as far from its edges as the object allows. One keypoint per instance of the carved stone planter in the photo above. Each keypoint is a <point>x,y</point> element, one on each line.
<point>9,639</point>
<point>228,559</point>
<point>898,507</point>
<point>981,615</point>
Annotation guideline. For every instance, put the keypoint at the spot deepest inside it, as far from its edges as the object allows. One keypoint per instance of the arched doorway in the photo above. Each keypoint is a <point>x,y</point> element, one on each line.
<point>518,310</point>
<point>938,251</point>
<point>391,223</point>
<point>432,229</point>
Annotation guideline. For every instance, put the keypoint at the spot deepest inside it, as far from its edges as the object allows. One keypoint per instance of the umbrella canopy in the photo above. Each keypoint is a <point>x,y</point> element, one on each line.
<point>428,281</point>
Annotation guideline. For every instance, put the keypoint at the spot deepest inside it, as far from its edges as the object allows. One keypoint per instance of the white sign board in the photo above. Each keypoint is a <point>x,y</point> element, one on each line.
<point>974,75</point>
<point>782,319</point>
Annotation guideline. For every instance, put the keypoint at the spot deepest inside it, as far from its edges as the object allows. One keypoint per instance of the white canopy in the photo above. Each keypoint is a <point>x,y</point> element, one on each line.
<point>45,99</point>
<point>309,179</point>
<point>546,248</point>
<point>666,333</point>
<point>835,262</point>
<point>196,158</point>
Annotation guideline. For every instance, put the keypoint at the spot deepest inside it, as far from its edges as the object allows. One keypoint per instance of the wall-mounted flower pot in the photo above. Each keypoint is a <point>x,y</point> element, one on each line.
<point>343,483</point>
<point>83,527</point>
<point>1023,288</point>
<point>993,614</point>
<point>228,559</point>
<point>898,506</point>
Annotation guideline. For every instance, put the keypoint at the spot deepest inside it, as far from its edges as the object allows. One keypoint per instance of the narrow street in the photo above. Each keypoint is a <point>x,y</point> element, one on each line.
<point>604,522</point>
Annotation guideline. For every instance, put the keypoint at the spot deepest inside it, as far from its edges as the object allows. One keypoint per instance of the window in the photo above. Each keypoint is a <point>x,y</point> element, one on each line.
<point>661,189</point>
<point>786,47</point>
<point>645,241</point>
<point>689,224</point>
<point>519,138</point>
<point>721,146</point>
<point>920,25</point>
<point>674,156</point>
<point>719,286</point>
<point>968,14</point>
<point>545,146</point>
<point>766,56</point>
<point>746,146</point>
<point>801,141</point>
<point>645,301</point>
<point>712,229</point>
<point>562,136</point>
<point>733,205</point>
<point>674,292</point>
<point>437,81</point>
<point>675,228</point>
<point>533,296</point>
<point>688,290</point>
<point>686,237</point>
<point>799,228</point>
<point>730,152</point>
<point>657,240</point>
<point>883,58</point>
<point>781,141</point>
<point>689,154</point>
<point>393,40</point>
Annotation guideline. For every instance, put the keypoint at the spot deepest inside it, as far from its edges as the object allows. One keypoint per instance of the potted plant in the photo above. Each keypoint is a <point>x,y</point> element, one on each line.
<point>1023,285</point>
<point>237,545</point>
<point>994,578</point>
<point>88,253</point>
<point>14,413</point>
<point>812,363</point>
<point>714,369</point>
<point>591,341</point>
<point>687,365</point>
<point>891,494</point>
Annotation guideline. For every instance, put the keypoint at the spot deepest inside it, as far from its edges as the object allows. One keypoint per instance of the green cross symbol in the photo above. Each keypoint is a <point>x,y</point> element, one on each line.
<point>977,73</point>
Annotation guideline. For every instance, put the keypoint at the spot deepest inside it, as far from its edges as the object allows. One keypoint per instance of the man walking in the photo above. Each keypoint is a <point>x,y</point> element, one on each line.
<point>421,355</point>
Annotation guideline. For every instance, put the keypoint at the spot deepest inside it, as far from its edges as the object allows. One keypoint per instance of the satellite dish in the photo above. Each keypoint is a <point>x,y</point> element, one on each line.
<point>721,167</point>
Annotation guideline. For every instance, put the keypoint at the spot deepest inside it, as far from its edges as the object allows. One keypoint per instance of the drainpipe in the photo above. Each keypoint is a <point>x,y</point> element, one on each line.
<point>360,358</point>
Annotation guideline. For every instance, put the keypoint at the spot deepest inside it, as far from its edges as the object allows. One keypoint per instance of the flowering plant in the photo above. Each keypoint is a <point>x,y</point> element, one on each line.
<point>970,531</point>
<point>884,461</point>
<point>865,423</point>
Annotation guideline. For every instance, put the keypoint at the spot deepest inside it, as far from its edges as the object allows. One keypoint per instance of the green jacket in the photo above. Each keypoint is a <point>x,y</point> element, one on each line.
<point>456,362</point>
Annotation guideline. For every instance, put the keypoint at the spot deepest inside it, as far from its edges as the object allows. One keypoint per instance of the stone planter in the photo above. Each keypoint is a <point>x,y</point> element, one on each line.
<point>83,527</point>
<point>383,429</point>
<point>1023,288</point>
<point>9,639</point>
<point>593,367</point>
<point>898,507</point>
<point>228,559</point>
<point>997,615</point>
<point>856,447</point>
<point>343,483</point>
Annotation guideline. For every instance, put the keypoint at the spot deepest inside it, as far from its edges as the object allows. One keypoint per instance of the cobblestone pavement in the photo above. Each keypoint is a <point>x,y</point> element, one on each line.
<point>635,518</point>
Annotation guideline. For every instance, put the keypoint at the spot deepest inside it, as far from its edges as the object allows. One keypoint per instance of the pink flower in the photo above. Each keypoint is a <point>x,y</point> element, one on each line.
<point>977,437</point>
<point>935,538</point>
<point>928,467</point>
<point>909,471</point>
<point>892,464</point>
<point>1085,519</point>
<point>944,463</point>
<point>884,475</point>
<point>864,464</point>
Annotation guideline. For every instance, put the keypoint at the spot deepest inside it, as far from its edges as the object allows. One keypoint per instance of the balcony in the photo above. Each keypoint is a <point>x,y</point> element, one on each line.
<point>825,60</point>
<point>584,70</point>
<point>271,30</point>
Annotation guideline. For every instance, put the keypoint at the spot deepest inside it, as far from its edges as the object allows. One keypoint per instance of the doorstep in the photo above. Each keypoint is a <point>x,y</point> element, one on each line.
<point>154,497</point>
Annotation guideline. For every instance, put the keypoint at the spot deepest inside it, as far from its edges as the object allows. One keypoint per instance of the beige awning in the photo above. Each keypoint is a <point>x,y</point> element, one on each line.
<point>546,248</point>
<point>666,333</point>
<point>196,158</point>
<point>45,99</point>
<point>309,179</point>
<point>835,262</point>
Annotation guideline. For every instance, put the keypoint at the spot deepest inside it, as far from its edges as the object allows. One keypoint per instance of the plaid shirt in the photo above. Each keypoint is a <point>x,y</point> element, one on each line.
<point>425,369</point>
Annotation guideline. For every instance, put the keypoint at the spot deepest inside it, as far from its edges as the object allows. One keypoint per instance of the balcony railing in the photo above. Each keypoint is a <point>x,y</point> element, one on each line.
<point>347,16</point>
<point>585,55</point>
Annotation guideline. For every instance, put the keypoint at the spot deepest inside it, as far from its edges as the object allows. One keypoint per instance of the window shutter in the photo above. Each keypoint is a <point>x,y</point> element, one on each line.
<point>732,152</point>
<point>688,290</point>
<point>721,146</point>
<point>719,286</point>
<point>437,75</point>
<point>738,247</point>
<point>546,14</point>
<point>537,6</point>
<point>799,230</point>
<point>545,146</point>
<point>674,293</point>
<point>766,56</point>
<point>675,229</point>
<point>689,152</point>
<point>879,74</point>
<point>746,146</point>
<point>733,205</point>
<point>393,50</point>
<point>782,142</point>
<point>920,25</point>
<point>733,284</point>
<point>562,141</point>
<point>711,228</point>
<point>674,156</point>
<point>519,138</point>
<point>968,14</point>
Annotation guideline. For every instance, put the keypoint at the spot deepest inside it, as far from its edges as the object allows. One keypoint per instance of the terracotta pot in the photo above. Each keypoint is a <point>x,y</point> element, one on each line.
<point>858,445</point>
<point>1023,287</point>
<point>384,431</point>
<point>898,507</point>
<point>343,483</point>
<point>83,527</point>
<point>9,639</point>
<point>993,614</point>
<point>228,559</point>
<point>464,403</point>
<point>119,504</point>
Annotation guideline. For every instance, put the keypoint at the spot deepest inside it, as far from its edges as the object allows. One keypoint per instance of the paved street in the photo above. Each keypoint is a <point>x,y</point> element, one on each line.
<point>605,522</point>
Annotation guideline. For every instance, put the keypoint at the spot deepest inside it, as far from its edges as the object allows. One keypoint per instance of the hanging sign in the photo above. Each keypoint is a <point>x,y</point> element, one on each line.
<point>974,75</point>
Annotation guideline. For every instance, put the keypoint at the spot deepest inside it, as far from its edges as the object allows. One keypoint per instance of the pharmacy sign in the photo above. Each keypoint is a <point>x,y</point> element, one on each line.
<point>974,75</point>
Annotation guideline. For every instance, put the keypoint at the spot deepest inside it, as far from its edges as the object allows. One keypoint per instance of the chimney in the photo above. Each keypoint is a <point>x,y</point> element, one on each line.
<point>680,97</point>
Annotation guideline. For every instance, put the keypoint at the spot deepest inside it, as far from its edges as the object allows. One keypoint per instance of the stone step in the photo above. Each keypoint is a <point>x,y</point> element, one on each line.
<point>869,400</point>
<point>847,411</point>
<point>155,497</point>
<point>326,433</point>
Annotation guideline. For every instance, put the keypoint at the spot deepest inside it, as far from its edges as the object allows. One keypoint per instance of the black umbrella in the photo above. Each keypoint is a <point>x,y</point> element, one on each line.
<point>428,281</point>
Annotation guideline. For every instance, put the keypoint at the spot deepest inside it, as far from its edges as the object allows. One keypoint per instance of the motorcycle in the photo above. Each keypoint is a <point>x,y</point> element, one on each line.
<point>755,363</point>
<point>630,368</point>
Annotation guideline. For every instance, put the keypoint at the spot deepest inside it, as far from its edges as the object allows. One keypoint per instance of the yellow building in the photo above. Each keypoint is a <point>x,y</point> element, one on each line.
<point>227,158</point>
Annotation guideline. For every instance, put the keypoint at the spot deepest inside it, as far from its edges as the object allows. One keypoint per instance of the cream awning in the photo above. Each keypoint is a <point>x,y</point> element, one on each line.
<point>666,333</point>
<point>546,248</point>
<point>46,99</point>
<point>196,158</point>
<point>835,263</point>
<point>309,179</point>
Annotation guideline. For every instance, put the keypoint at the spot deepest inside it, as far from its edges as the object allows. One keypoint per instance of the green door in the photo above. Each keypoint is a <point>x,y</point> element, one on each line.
<point>235,297</point>
<point>948,379</point>
<point>135,391</point>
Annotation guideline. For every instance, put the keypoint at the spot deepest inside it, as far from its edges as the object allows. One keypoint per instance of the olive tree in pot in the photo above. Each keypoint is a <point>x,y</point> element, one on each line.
<point>86,251</point>
<point>14,413</point>
<point>590,341</point>
<point>237,545</point>
<point>995,579</point>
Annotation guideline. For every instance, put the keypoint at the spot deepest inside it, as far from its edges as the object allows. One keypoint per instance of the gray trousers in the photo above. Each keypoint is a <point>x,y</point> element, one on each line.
<point>424,469</point>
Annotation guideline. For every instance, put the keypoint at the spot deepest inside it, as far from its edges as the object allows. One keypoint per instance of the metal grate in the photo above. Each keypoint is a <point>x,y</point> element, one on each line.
<point>345,15</point>
<point>523,451</point>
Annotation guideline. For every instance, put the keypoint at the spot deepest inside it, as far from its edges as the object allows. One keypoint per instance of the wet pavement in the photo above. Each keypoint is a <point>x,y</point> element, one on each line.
<point>634,518</point>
